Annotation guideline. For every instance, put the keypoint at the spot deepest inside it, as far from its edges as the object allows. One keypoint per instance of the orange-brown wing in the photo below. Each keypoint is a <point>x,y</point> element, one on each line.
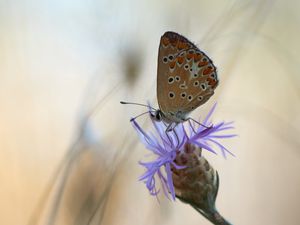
<point>186,77</point>
<point>202,83</point>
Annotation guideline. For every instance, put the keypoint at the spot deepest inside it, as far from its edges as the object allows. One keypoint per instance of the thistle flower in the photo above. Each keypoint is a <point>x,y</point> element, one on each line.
<point>166,145</point>
<point>198,183</point>
<point>179,165</point>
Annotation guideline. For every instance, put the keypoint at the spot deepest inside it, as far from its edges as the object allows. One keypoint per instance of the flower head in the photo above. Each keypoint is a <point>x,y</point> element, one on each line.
<point>166,146</point>
<point>198,183</point>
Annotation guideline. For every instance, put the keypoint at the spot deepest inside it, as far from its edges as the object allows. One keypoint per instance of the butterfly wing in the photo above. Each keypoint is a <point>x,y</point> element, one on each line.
<point>186,76</point>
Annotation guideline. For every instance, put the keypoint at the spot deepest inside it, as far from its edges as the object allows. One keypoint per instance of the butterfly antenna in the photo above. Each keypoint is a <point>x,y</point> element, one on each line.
<point>138,116</point>
<point>134,103</point>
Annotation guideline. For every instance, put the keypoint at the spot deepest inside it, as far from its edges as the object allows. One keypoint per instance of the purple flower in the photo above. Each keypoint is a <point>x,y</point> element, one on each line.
<point>166,145</point>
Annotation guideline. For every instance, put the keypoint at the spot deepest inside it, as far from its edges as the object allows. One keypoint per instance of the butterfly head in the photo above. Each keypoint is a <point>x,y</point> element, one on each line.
<point>157,115</point>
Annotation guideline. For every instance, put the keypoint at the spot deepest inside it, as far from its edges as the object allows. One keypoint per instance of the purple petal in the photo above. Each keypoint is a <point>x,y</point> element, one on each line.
<point>223,136</point>
<point>209,114</point>
<point>170,180</point>
<point>164,146</point>
<point>222,147</point>
<point>201,145</point>
<point>163,182</point>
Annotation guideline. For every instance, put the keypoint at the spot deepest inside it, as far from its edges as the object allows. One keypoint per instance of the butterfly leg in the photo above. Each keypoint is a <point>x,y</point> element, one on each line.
<point>191,125</point>
<point>177,138</point>
<point>190,118</point>
<point>169,128</point>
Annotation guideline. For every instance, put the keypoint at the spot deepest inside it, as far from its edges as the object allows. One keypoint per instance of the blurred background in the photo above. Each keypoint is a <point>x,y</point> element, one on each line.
<point>68,154</point>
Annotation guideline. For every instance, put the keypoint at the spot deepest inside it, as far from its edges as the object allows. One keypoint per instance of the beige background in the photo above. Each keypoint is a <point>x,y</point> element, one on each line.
<point>59,59</point>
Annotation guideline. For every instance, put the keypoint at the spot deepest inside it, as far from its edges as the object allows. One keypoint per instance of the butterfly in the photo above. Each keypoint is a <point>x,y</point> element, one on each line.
<point>186,79</point>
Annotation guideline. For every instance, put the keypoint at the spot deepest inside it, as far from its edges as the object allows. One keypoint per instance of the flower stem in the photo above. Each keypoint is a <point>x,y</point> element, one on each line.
<point>213,216</point>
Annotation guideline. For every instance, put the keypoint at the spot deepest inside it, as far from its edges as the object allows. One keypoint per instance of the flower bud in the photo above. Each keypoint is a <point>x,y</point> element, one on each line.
<point>197,184</point>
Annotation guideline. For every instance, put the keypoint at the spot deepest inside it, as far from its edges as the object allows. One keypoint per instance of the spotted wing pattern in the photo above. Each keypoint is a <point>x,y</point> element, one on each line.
<point>186,76</point>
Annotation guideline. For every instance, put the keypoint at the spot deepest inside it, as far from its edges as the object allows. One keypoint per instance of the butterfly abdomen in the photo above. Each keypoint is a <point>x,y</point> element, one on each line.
<point>177,117</point>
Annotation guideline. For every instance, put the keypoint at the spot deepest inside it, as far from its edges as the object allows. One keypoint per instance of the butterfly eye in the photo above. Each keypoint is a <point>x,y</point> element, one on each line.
<point>190,97</point>
<point>171,80</point>
<point>204,60</point>
<point>213,75</point>
<point>186,66</point>
<point>195,75</point>
<point>158,116</point>
<point>191,51</point>
<point>171,95</point>
<point>165,59</point>
<point>183,95</point>
<point>177,78</point>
